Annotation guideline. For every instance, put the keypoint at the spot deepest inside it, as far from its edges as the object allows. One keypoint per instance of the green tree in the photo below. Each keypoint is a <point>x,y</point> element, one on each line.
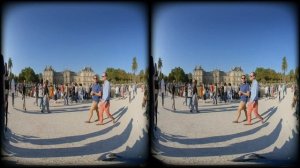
<point>178,75</point>
<point>142,76</point>
<point>267,75</point>
<point>284,66</point>
<point>297,73</point>
<point>29,75</point>
<point>134,65</point>
<point>291,75</point>
<point>117,75</point>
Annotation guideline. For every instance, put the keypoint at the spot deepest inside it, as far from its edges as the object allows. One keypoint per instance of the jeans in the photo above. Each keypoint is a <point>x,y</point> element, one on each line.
<point>41,102</point>
<point>195,102</point>
<point>45,104</point>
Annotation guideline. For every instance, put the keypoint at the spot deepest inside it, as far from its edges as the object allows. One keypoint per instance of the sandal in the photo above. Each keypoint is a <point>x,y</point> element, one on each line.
<point>87,122</point>
<point>99,124</point>
<point>247,124</point>
<point>235,122</point>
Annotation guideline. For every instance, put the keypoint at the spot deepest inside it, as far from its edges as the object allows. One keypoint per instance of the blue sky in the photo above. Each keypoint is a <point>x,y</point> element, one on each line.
<point>224,35</point>
<point>72,36</point>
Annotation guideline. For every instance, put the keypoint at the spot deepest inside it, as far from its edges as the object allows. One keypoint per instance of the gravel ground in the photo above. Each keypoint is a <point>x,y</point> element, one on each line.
<point>182,138</point>
<point>63,138</point>
<point>210,137</point>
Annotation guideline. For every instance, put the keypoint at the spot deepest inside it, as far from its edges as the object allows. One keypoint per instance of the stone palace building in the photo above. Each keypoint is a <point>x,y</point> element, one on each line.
<point>85,76</point>
<point>217,76</point>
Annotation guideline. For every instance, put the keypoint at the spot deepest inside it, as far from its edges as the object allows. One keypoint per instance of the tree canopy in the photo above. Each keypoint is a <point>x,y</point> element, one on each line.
<point>29,75</point>
<point>178,75</point>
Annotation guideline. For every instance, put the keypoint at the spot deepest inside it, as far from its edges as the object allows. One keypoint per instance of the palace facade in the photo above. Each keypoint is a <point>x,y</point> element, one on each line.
<point>217,76</point>
<point>85,76</point>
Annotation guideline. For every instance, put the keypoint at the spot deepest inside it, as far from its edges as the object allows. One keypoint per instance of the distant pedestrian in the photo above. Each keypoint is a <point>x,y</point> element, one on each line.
<point>244,91</point>
<point>156,90</point>
<point>129,93</point>
<point>40,95</point>
<point>80,93</point>
<point>13,90</point>
<point>190,94</point>
<point>24,94</point>
<point>195,97</point>
<point>117,91</point>
<point>215,94</point>
<point>162,91</point>
<point>266,91</point>
<point>66,94</point>
<point>253,104</point>
<point>173,95</point>
<point>6,92</point>
<point>279,92</point>
<point>36,94</point>
<point>46,97</point>
<point>185,94</point>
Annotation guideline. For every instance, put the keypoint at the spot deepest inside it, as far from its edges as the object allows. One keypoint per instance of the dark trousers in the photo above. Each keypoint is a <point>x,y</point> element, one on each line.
<point>13,99</point>
<point>162,98</point>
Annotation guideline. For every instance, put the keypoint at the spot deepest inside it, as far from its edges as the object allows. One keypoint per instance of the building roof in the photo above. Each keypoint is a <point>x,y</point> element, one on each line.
<point>237,69</point>
<point>87,69</point>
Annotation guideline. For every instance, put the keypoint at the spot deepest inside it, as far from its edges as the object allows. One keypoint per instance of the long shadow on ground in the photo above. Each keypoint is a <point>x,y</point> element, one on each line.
<point>57,110</point>
<point>100,146</point>
<point>69,139</point>
<point>237,148</point>
<point>214,139</point>
<point>204,110</point>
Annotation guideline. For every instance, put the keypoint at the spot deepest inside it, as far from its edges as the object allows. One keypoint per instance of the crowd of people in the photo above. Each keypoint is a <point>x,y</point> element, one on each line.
<point>98,94</point>
<point>247,94</point>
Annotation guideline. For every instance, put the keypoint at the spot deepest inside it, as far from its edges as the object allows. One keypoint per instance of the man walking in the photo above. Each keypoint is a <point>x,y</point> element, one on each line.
<point>24,95</point>
<point>253,104</point>
<point>195,97</point>
<point>162,90</point>
<point>173,95</point>
<point>13,90</point>
<point>46,97</point>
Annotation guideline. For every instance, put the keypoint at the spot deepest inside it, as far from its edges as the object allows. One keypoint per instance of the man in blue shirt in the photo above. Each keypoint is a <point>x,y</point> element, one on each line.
<point>104,103</point>
<point>253,102</point>
<point>96,94</point>
<point>244,91</point>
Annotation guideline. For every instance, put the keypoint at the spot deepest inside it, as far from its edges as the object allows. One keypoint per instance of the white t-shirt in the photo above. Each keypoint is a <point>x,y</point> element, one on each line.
<point>12,86</point>
<point>117,90</point>
<point>162,86</point>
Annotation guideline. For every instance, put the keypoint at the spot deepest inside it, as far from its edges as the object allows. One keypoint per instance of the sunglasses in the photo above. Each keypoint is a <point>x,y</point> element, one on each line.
<point>243,78</point>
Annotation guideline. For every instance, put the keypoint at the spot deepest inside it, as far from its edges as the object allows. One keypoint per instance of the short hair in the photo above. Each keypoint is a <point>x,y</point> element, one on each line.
<point>254,74</point>
<point>244,75</point>
<point>104,74</point>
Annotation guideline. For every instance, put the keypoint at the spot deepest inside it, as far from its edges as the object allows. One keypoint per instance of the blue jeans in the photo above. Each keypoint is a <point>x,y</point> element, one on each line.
<point>41,102</point>
<point>45,104</point>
